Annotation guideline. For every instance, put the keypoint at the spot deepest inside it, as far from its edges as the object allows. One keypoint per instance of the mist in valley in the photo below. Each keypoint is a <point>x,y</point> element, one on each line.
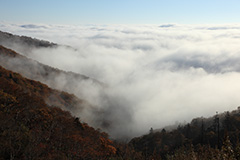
<point>151,75</point>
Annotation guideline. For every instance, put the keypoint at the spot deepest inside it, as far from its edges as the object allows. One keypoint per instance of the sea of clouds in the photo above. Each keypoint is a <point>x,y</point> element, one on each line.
<point>155,74</point>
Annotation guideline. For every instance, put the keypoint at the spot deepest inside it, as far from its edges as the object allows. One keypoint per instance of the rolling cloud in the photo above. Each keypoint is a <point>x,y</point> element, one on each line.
<point>156,75</point>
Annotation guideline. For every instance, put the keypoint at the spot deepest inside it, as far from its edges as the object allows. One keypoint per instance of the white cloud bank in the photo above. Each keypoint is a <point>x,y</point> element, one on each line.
<point>156,75</point>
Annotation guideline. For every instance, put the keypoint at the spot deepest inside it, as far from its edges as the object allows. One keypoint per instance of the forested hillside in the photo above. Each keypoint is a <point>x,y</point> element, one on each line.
<point>13,82</point>
<point>32,129</point>
<point>216,137</point>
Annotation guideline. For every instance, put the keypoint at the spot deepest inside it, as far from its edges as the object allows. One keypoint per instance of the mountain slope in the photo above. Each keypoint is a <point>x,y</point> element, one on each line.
<point>82,86</point>
<point>58,79</point>
<point>32,129</point>
<point>206,135</point>
<point>24,43</point>
<point>8,39</point>
<point>15,84</point>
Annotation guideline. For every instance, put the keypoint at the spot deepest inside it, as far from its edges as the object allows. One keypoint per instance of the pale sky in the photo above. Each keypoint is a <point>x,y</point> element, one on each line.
<point>120,11</point>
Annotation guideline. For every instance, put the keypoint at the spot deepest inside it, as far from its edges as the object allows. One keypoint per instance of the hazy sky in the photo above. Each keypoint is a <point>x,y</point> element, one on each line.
<point>120,12</point>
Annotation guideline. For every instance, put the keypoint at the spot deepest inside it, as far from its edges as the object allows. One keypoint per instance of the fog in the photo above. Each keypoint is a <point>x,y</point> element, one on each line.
<point>155,75</point>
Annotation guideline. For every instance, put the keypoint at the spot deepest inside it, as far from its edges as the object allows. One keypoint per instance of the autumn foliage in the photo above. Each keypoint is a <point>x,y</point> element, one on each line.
<point>31,129</point>
<point>214,138</point>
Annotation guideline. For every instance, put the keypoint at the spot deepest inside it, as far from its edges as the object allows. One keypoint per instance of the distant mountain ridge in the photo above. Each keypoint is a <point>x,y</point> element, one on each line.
<point>30,68</point>
<point>6,38</point>
<point>57,79</point>
<point>9,41</point>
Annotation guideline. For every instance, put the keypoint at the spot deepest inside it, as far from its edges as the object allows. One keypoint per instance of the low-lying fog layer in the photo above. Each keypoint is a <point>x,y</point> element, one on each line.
<point>155,75</point>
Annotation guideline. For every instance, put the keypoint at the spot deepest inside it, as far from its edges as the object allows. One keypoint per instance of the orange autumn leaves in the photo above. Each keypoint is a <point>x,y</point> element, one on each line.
<point>31,129</point>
